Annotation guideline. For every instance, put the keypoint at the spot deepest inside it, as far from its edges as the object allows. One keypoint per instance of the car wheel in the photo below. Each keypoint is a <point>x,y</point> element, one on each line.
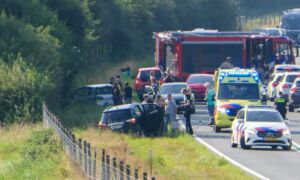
<point>243,143</point>
<point>217,129</point>
<point>291,108</point>
<point>287,148</point>
<point>233,145</point>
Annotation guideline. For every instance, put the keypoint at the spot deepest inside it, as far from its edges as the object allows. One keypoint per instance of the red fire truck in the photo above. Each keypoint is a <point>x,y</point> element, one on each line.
<point>203,51</point>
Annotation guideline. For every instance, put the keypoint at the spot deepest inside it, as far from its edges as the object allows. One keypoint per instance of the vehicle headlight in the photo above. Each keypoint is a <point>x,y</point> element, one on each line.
<point>223,110</point>
<point>251,131</point>
<point>286,132</point>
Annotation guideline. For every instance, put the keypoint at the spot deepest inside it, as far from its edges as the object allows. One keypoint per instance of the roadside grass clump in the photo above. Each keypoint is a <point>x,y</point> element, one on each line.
<point>31,152</point>
<point>176,156</point>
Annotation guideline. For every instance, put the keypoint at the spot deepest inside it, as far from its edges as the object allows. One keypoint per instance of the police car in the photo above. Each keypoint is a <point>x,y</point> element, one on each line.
<point>260,126</point>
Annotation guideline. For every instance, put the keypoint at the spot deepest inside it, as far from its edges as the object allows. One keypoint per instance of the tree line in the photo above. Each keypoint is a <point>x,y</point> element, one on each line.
<point>44,44</point>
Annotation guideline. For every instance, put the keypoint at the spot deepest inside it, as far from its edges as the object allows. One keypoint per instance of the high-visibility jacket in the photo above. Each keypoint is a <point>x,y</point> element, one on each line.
<point>280,103</point>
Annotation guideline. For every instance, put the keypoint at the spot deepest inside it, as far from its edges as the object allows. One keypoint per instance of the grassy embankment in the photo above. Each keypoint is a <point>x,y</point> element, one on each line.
<point>267,21</point>
<point>29,152</point>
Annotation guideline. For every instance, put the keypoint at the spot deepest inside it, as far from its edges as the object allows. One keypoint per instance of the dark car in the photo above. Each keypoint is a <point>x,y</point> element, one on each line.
<point>144,119</point>
<point>294,95</point>
<point>101,94</point>
<point>197,83</point>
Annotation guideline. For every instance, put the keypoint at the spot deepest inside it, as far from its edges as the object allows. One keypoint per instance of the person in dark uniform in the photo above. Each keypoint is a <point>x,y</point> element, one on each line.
<point>117,94</point>
<point>280,105</point>
<point>127,93</point>
<point>187,111</point>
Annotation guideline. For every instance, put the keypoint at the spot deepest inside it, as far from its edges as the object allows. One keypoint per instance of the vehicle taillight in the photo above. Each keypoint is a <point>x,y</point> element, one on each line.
<point>137,81</point>
<point>284,86</point>
<point>294,90</point>
<point>101,125</point>
<point>274,84</point>
<point>132,120</point>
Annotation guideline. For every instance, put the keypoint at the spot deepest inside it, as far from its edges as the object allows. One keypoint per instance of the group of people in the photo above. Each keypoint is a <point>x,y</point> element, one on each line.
<point>168,109</point>
<point>121,94</point>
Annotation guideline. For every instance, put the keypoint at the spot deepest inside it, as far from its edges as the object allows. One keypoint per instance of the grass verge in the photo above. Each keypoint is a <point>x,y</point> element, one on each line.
<point>31,152</point>
<point>174,157</point>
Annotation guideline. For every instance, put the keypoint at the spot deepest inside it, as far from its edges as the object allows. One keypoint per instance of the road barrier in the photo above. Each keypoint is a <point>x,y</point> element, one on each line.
<point>95,164</point>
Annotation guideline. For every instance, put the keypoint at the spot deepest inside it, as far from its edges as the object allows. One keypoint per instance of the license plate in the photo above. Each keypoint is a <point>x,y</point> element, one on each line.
<point>119,126</point>
<point>270,139</point>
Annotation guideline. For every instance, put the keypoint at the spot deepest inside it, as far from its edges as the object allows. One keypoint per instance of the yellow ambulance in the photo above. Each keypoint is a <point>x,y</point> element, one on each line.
<point>234,88</point>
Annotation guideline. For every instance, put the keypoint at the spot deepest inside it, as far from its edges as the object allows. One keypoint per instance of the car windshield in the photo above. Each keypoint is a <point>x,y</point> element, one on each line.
<point>145,75</point>
<point>116,116</point>
<point>291,78</point>
<point>171,89</point>
<point>238,91</point>
<point>104,90</point>
<point>199,79</point>
<point>263,116</point>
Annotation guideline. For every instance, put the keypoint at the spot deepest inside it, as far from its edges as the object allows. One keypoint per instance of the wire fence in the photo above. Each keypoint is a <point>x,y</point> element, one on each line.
<point>95,164</point>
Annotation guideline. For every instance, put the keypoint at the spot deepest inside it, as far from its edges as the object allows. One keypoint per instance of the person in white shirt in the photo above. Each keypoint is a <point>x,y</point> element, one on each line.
<point>170,113</point>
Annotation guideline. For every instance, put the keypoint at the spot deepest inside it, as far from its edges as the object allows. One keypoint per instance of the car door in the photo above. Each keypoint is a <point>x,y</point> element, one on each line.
<point>239,125</point>
<point>152,118</point>
<point>103,95</point>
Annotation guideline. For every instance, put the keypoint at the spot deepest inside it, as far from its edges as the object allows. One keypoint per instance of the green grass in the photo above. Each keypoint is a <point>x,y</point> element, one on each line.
<point>47,165</point>
<point>267,21</point>
<point>174,157</point>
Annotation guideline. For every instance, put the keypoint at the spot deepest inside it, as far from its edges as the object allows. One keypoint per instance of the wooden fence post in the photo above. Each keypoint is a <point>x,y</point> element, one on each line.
<point>136,174</point>
<point>74,147</point>
<point>121,170</point>
<point>144,176</point>
<point>80,151</point>
<point>95,164</point>
<point>114,167</point>
<point>102,170</point>
<point>128,172</point>
<point>84,156</point>
<point>107,167</point>
<point>89,159</point>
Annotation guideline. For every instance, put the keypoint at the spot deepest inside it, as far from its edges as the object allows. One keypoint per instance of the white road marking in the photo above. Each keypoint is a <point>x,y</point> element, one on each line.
<point>296,147</point>
<point>219,153</point>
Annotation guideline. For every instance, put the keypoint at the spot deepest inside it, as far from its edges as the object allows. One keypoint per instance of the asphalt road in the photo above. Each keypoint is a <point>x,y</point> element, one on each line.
<point>272,164</point>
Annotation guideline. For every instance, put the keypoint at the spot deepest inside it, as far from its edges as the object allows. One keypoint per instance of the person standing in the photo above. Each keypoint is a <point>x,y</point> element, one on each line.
<point>146,99</point>
<point>118,80</point>
<point>210,99</point>
<point>127,93</point>
<point>280,105</point>
<point>170,114</point>
<point>168,76</point>
<point>117,95</point>
<point>187,111</point>
<point>227,64</point>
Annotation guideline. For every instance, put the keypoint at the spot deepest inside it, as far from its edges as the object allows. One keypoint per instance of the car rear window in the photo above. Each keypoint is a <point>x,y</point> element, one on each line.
<point>263,116</point>
<point>278,78</point>
<point>171,89</point>
<point>291,78</point>
<point>145,75</point>
<point>116,116</point>
<point>104,90</point>
<point>297,84</point>
<point>200,79</point>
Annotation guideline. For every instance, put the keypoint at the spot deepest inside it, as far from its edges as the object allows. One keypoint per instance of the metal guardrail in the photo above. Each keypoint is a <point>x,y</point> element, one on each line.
<point>95,164</point>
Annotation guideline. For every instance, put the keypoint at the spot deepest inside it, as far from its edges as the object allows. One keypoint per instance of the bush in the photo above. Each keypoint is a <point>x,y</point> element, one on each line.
<point>41,144</point>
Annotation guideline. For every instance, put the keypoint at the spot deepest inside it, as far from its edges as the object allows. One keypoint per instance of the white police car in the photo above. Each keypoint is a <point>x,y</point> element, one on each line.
<point>260,126</point>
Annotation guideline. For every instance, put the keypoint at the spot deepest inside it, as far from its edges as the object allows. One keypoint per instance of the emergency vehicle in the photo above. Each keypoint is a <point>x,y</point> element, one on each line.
<point>234,89</point>
<point>203,51</point>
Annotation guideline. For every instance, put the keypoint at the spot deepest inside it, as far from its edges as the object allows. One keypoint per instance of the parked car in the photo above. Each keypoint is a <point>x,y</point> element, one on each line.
<point>143,78</point>
<point>175,90</point>
<point>286,83</point>
<point>196,83</point>
<point>282,68</point>
<point>275,79</point>
<point>101,94</point>
<point>260,126</point>
<point>144,119</point>
<point>294,96</point>
<point>277,32</point>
